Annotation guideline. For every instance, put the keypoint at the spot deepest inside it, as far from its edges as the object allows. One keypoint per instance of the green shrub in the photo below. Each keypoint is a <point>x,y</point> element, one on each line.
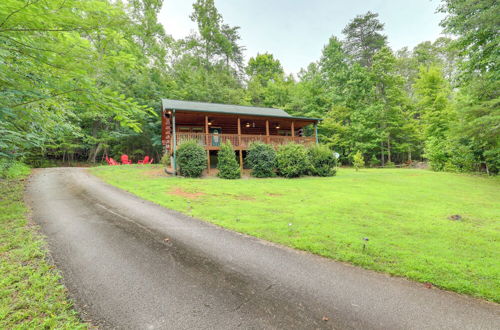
<point>374,161</point>
<point>492,160</point>
<point>191,159</point>
<point>322,160</point>
<point>461,158</point>
<point>226,162</point>
<point>390,164</point>
<point>292,160</point>
<point>138,154</point>
<point>10,169</point>
<point>435,152</point>
<point>165,160</point>
<point>261,158</point>
<point>358,160</point>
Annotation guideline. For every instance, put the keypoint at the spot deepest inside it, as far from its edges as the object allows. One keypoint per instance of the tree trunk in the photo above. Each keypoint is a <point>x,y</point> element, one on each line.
<point>388,149</point>
<point>94,152</point>
<point>382,158</point>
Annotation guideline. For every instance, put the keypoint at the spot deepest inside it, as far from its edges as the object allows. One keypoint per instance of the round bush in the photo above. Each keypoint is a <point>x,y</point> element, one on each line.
<point>191,159</point>
<point>292,160</point>
<point>261,158</point>
<point>323,162</point>
<point>226,162</point>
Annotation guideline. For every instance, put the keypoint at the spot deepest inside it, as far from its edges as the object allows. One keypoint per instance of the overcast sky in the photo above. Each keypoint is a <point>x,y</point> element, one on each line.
<point>295,31</point>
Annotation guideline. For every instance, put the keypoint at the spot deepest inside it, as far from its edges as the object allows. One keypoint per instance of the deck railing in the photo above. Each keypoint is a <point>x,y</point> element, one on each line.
<point>240,141</point>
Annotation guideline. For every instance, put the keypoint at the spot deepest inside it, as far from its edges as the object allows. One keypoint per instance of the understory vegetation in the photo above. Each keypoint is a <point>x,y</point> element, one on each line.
<point>81,79</point>
<point>31,295</point>
<point>440,228</point>
<point>289,160</point>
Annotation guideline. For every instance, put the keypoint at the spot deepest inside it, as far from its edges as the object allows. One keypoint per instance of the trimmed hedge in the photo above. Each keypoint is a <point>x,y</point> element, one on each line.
<point>191,159</point>
<point>292,160</point>
<point>323,162</point>
<point>261,158</point>
<point>226,162</point>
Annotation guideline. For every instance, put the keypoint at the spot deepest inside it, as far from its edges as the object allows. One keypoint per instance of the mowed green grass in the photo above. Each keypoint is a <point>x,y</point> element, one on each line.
<point>403,213</point>
<point>31,295</point>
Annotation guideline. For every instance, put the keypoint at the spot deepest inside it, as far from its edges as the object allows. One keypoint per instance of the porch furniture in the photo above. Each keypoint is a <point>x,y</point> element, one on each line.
<point>125,160</point>
<point>111,161</point>
<point>144,161</point>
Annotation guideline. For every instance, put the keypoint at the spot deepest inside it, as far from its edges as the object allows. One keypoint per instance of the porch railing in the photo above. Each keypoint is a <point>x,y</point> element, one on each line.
<point>240,141</point>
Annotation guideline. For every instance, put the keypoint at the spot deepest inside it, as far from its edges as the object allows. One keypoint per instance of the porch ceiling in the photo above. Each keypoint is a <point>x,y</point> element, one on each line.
<point>225,120</point>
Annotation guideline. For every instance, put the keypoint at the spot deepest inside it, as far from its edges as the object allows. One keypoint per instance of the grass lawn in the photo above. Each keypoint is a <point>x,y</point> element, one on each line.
<point>404,214</point>
<point>31,296</point>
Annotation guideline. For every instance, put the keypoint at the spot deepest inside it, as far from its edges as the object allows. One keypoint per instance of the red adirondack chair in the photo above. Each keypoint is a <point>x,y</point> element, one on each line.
<point>144,161</point>
<point>111,161</point>
<point>125,160</point>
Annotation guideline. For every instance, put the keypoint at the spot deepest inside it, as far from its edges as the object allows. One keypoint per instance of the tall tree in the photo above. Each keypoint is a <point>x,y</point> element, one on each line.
<point>218,40</point>
<point>363,38</point>
<point>264,68</point>
<point>476,23</point>
<point>267,85</point>
<point>333,66</point>
<point>391,104</point>
<point>433,106</point>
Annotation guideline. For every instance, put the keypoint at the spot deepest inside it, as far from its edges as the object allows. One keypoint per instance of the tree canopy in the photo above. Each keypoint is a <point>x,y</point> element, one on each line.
<point>80,79</point>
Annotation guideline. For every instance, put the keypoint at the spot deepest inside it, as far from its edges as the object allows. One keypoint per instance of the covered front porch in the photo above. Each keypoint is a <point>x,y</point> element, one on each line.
<point>213,130</point>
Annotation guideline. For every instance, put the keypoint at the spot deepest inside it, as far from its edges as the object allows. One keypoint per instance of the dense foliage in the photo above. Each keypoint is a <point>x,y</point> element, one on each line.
<point>191,159</point>
<point>322,160</point>
<point>80,79</point>
<point>292,160</point>
<point>261,158</point>
<point>226,162</point>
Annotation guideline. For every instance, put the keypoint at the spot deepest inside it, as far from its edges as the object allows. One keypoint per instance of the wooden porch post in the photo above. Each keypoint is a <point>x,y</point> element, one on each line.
<point>174,145</point>
<point>206,131</point>
<point>316,131</point>
<point>239,143</point>
<point>208,161</point>
<point>293,131</point>
<point>267,131</point>
<point>206,144</point>
<point>239,132</point>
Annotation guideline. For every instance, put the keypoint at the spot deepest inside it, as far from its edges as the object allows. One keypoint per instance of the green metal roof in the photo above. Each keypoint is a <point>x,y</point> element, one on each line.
<point>168,104</point>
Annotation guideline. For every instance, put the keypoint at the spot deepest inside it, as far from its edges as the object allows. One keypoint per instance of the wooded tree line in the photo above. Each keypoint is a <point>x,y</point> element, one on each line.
<point>82,78</point>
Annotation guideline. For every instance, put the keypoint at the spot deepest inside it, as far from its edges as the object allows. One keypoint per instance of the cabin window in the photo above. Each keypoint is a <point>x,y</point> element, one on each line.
<point>189,129</point>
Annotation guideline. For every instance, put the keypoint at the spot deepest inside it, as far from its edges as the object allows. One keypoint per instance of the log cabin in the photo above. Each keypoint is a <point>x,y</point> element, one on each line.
<point>212,124</point>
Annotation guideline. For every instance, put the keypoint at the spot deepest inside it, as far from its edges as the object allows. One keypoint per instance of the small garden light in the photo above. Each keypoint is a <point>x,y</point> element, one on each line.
<point>365,239</point>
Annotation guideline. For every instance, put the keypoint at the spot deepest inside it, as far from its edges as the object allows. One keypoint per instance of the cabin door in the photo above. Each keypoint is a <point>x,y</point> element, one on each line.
<point>215,134</point>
